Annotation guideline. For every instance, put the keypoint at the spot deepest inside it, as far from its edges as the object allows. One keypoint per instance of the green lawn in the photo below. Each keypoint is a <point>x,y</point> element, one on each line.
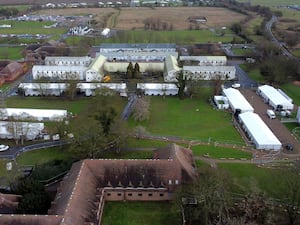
<point>193,119</point>
<point>292,91</point>
<point>253,72</point>
<point>272,2</point>
<point>129,155</point>
<point>30,27</point>
<point>249,176</point>
<point>220,152</point>
<point>76,106</point>
<point>241,51</point>
<point>13,53</point>
<point>179,37</point>
<point>37,157</point>
<point>139,213</point>
<point>144,143</point>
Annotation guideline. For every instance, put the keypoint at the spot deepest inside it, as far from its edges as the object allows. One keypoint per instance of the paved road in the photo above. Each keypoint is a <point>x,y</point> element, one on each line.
<point>278,128</point>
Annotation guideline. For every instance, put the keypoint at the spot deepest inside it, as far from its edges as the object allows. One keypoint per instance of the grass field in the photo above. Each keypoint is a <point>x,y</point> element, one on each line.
<point>249,176</point>
<point>272,2</point>
<point>13,53</point>
<point>76,106</point>
<point>38,157</point>
<point>292,91</point>
<point>220,152</point>
<point>193,119</point>
<point>137,213</point>
<point>29,27</point>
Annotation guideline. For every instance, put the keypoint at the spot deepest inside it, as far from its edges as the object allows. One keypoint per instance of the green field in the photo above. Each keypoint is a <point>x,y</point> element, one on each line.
<point>178,37</point>
<point>12,53</point>
<point>38,157</point>
<point>292,91</point>
<point>76,106</point>
<point>220,152</point>
<point>249,176</point>
<point>137,213</point>
<point>193,119</point>
<point>272,2</point>
<point>29,27</point>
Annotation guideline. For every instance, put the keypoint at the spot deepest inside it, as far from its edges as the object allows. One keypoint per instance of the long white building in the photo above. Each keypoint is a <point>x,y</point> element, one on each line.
<point>67,61</point>
<point>158,88</point>
<point>58,72</point>
<point>275,98</point>
<point>205,60</point>
<point>259,132</point>
<point>237,102</point>
<point>33,114</point>
<point>18,130</point>
<point>209,72</point>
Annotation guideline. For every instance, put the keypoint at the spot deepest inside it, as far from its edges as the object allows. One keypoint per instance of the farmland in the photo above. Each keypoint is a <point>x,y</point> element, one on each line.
<point>133,18</point>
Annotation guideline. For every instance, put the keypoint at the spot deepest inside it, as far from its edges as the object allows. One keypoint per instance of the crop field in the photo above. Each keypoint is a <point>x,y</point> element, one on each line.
<point>133,18</point>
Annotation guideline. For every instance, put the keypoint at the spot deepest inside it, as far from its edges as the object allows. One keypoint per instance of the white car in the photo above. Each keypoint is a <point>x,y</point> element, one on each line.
<point>3,148</point>
<point>236,85</point>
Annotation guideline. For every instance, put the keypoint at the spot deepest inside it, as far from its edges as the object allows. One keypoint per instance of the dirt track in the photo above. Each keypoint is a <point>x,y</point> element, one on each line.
<point>279,129</point>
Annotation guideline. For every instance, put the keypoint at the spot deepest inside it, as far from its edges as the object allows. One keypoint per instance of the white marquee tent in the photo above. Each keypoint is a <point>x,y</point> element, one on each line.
<point>237,101</point>
<point>259,132</point>
<point>275,98</point>
<point>33,114</point>
<point>158,88</point>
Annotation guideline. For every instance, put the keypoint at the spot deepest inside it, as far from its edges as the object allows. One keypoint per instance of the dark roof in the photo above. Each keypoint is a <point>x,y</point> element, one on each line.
<point>137,45</point>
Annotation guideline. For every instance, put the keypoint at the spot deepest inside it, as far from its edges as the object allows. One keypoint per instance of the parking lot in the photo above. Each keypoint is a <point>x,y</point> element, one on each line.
<point>278,128</point>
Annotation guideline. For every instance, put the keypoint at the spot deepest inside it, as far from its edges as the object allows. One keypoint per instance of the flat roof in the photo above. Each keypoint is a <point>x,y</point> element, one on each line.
<point>259,131</point>
<point>275,96</point>
<point>237,100</point>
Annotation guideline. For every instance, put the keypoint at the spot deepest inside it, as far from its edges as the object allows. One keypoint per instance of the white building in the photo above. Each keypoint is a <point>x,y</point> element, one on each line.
<point>206,60</point>
<point>33,114</point>
<point>259,132</point>
<point>237,101</point>
<point>158,88</point>
<point>275,98</point>
<point>221,102</point>
<point>40,89</point>
<point>95,71</point>
<point>68,61</point>
<point>90,89</point>
<point>138,47</point>
<point>17,130</point>
<point>58,72</point>
<point>209,72</point>
<point>171,69</point>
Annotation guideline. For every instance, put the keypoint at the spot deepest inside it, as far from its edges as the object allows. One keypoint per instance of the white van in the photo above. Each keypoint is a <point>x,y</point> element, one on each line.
<point>271,114</point>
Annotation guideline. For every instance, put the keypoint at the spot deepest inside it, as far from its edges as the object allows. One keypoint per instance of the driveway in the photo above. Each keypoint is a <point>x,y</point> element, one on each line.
<point>278,128</point>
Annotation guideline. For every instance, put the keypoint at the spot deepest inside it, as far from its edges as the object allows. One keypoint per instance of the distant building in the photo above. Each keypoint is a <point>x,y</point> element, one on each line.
<point>81,197</point>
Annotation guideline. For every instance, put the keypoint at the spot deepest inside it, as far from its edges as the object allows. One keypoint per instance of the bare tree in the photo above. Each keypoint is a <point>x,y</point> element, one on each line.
<point>141,109</point>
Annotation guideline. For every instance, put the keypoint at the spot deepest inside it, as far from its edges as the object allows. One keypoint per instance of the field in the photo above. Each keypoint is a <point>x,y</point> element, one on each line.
<point>193,119</point>
<point>272,2</point>
<point>137,213</point>
<point>133,18</point>
<point>12,53</point>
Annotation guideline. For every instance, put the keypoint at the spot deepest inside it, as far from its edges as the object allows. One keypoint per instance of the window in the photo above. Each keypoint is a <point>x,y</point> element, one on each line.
<point>140,194</point>
<point>108,194</point>
<point>170,181</point>
<point>161,195</point>
<point>150,194</point>
<point>119,194</point>
<point>129,194</point>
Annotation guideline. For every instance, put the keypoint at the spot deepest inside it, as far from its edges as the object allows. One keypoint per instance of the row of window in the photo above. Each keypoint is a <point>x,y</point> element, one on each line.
<point>138,194</point>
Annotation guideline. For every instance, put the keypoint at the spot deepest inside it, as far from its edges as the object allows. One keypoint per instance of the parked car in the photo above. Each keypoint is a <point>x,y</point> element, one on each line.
<point>3,148</point>
<point>271,114</point>
<point>236,85</point>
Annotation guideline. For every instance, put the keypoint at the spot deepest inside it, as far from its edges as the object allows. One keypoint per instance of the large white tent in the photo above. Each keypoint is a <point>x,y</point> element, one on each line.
<point>275,98</point>
<point>237,101</point>
<point>259,132</point>
<point>16,130</point>
<point>158,88</point>
<point>33,114</point>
